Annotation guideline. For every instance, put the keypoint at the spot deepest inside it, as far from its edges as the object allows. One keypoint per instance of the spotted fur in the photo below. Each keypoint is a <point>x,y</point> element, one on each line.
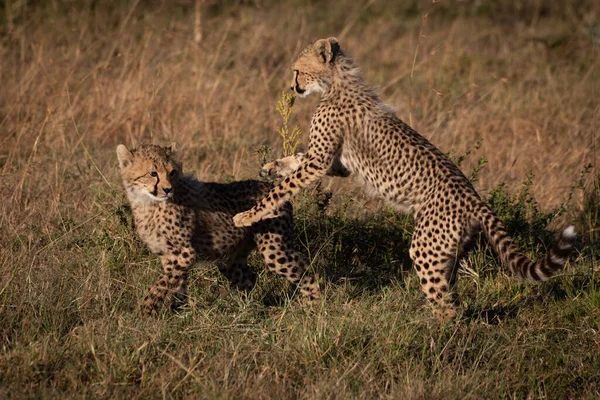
<point>352,124</point>
<point>185,221</point>
<point>284,167</point>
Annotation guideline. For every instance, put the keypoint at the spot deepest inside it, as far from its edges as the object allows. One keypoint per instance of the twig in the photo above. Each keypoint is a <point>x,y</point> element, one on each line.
<point>412,70</point>
<point>198,22</point>
<point>353,20</point>
<point>87,153</point>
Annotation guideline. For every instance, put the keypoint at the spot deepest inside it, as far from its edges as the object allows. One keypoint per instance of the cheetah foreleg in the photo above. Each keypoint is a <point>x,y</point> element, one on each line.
<point>308,172</point>
<point>172,281</point>
<point>286,166</point>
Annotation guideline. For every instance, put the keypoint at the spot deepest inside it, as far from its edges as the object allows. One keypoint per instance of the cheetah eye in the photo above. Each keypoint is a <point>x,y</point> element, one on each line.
<point>173,172</point>
<point>153,174</point>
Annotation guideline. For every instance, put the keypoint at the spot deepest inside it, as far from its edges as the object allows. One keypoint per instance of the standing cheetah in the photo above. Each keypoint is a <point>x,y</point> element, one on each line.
<point>352,126</point>
<point>184,221</point>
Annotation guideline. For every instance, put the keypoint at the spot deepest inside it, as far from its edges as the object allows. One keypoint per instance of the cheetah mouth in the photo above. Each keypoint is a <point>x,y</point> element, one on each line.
<point>271,173</point>
<point>161,198</point>
<point>299,90</point>
<point>266,173</point>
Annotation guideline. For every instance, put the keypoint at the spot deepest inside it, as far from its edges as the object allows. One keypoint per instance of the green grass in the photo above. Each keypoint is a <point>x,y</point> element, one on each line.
<point>78,78</point>
<point>80,332</point>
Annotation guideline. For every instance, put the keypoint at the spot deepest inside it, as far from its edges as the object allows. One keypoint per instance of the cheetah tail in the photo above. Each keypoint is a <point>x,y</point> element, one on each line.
<point>519,264</point>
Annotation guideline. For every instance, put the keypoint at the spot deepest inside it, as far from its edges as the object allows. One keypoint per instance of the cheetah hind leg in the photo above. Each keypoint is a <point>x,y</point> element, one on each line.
<point>166,284</point>
<point>437,276</point>
<point>180,291</point>
<point>279,257</point>
<point>438,286</point>
<point>239,274</point>
<point>173,280</point>
<point>155,296</point>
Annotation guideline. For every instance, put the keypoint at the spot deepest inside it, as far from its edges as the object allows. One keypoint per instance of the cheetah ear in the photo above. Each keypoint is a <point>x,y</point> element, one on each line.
<point>327,49</point>
<point>125,156</point>
<point>172,148</point>
<point>174,153</point>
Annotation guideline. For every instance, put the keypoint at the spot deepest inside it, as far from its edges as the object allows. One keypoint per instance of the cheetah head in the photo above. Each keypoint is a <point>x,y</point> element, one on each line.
<point>149,173</point>
<point>314,68</point>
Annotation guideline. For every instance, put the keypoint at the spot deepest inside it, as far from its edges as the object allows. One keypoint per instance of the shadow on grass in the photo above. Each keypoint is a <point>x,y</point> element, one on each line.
<point>491,316</point>
<point>370,253</point>
<point>569,287</point>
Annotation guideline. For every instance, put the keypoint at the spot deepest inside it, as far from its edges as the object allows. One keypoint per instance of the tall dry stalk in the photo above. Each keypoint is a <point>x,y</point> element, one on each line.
<point>285,108</point>
<point>198,21</point>
<point>414,61</point>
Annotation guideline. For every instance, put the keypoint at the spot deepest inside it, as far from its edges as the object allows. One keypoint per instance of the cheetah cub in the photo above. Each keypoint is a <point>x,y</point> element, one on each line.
<point>185,221</point>
<point>352,127</point>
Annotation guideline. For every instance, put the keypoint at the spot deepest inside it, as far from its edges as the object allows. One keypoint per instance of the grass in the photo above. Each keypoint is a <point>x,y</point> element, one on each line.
<point>78,78</point>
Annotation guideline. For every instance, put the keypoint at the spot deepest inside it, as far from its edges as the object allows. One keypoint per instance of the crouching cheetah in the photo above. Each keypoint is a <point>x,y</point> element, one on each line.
<point>185,221</point>
<point>354,128</point>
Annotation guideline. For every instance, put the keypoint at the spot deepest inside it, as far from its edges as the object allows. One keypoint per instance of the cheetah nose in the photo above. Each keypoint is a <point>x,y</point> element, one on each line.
<point>266,173</point>
<point>167,190</point>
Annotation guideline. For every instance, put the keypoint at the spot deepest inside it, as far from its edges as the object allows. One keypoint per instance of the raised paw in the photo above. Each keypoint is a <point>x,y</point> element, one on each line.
<point>246,218</point>
<point>445,313</point>
<point>282,167</point>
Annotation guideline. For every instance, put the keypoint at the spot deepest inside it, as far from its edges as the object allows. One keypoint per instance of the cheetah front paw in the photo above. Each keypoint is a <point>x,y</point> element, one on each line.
<point>282,167</point>
<point>246,218</point>
<point>445,314</point>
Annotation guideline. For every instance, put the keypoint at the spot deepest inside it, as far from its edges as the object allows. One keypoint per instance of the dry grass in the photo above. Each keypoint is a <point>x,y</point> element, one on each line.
<point>78,78</point>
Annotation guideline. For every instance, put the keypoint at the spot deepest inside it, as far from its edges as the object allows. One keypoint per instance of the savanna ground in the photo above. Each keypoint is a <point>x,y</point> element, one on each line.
<point>513,83</point>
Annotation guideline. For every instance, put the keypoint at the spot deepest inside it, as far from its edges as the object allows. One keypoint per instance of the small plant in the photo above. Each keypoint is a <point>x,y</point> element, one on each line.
<point>459,159</point>
<point>285,108</point>
<point>264,154</point>
<point>590,218</point>
<point>521,214</point>
<point>475,174</point>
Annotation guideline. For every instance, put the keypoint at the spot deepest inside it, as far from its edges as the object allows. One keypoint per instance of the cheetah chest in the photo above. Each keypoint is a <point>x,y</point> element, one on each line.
<point>379,176</point>
<point>161,228</point>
